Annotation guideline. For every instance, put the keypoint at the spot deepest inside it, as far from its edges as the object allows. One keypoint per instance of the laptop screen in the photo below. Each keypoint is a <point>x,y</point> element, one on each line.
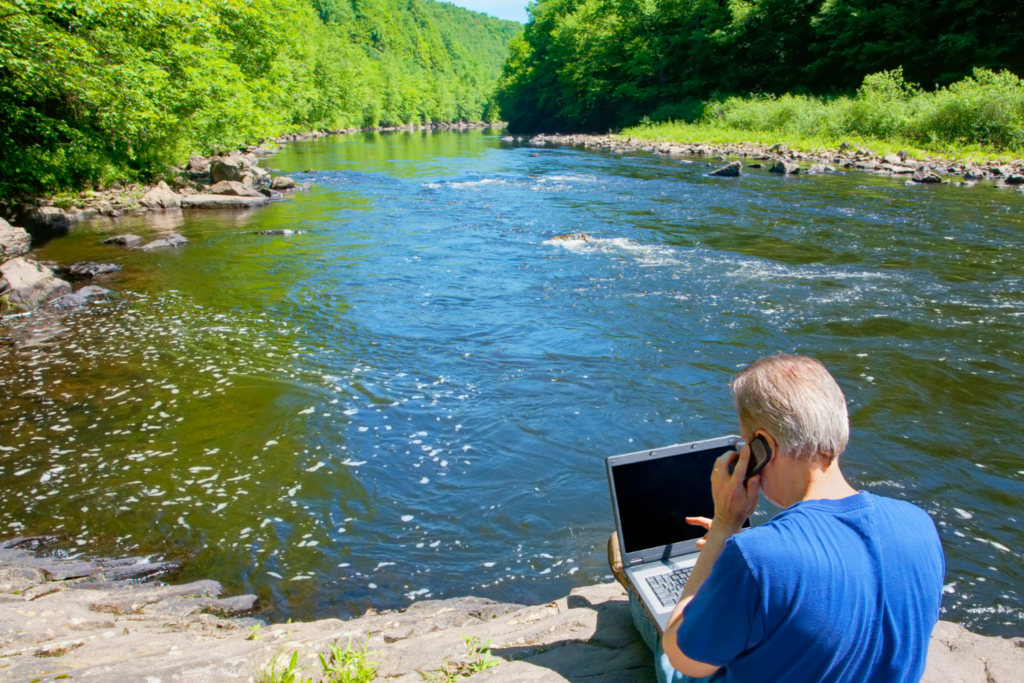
<point>656,496</point>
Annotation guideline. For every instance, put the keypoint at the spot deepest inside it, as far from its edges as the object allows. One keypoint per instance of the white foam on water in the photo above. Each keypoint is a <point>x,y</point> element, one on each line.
<point>315,467</point>
<point>424,480</point>
<point>413,594</point>
<point>407,518</point>
<point>964,514</point>
<point>220,507</point>
<point>275,575</point>
<point>353,463</point>
<point>383,564</point>
<point>489,564</point>
<point>307,411</point>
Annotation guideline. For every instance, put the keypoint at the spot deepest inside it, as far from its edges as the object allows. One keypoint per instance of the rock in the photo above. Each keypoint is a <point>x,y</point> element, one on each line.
<point>282,182</point>
<point>222,201</point>
<point>785,168</point>
<point>161,197</point>
<point>893,159</point>
<point>901,170</point>
<point>172,240</point>
<point>974,173</point>
<point>198,164</point>
<point>733,170</point>
<point>30,285</point>
<point>50,216</point>
<point>845,146</point>
<point>1003,171</point>
<point>226,168</point>
<point>284,231</point>
<point>820,168</point>
<point>779,148</point>
<point>14,242</point>
<point>233,187</point>
<point>573,237</point>
<point>926,175</point>
<point>124,240</point>
<point>1015,179</point>
<point>755,166</point>
<point>508,138</point>
<point>90,291</point>
<point>70,301</point>
<point>90,269</point>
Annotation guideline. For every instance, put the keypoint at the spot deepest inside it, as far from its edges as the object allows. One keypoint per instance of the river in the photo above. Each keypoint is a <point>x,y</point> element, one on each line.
<point>415,398</point>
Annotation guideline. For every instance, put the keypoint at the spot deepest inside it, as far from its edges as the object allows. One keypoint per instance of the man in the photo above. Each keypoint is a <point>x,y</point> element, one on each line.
<point>841,586</point>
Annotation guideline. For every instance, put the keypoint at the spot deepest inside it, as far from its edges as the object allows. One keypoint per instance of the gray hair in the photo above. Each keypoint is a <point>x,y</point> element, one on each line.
<point>797,401</point>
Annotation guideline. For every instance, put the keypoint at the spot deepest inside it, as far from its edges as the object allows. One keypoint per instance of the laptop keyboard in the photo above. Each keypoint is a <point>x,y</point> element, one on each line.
<point>669,586</point>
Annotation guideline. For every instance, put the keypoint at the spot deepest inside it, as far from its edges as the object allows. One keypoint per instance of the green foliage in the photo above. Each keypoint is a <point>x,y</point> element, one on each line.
<point>254,632</point>
<point>275,670</point>
<point>982,114</point>
<point>349,665</point>
<point>97,91</point>
<point>600,64</point>
<point>477,658</point>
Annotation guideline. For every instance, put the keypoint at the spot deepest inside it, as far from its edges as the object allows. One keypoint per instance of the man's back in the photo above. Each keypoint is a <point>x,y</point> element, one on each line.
<point>831,590</point>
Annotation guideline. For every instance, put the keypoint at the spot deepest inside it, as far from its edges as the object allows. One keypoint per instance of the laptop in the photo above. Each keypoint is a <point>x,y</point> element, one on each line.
<point>653,492</point>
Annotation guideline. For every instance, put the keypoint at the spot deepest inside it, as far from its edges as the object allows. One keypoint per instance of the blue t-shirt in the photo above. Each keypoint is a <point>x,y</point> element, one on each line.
<point>829,590</point>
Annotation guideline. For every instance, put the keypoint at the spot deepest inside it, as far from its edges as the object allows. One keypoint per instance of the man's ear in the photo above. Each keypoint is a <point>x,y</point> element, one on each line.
<point>770,439</point>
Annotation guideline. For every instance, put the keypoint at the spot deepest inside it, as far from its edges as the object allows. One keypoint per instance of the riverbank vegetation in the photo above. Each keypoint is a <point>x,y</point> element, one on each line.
<point>980,117</point>
<point>821,69</point>
<point>99,91</point>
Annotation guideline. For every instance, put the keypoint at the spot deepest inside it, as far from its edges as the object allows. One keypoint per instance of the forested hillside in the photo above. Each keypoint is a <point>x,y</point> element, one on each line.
<point>600,64</point>
<point>93,91</point>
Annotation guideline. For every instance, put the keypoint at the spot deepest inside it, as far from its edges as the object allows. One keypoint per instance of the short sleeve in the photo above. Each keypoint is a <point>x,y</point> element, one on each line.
<point>725,617</point>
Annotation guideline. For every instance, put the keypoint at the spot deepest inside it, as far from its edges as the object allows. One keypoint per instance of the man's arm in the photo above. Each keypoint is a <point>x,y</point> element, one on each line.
<point>734,503</point>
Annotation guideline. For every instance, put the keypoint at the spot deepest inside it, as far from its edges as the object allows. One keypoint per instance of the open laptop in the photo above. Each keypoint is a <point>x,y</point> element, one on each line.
<point>653,492</point>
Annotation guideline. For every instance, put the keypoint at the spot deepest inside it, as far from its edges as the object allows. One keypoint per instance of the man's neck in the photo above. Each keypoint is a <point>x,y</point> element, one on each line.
<point>827,484</point>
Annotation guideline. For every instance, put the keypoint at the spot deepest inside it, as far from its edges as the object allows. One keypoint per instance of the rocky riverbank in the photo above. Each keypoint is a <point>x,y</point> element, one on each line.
<point>70,618</point>
<point>780,159</point>
<point>227,180</point>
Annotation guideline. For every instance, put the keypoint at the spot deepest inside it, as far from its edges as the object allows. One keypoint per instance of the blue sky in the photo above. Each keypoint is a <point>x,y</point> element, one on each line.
<point>503,9</point>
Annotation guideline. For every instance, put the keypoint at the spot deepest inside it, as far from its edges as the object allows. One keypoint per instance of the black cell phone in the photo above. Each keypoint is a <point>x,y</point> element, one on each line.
<point>760,455</point>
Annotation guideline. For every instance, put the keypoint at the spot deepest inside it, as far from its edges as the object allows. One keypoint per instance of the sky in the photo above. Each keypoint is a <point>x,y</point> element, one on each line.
<point>503,9</point>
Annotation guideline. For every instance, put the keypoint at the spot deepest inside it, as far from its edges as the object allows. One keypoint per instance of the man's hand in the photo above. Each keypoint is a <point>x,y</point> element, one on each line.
<point>734,502</point>
<point>700,521</point>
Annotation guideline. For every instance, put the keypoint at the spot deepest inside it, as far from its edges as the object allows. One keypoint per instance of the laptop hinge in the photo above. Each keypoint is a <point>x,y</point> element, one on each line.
<point>634,562</point>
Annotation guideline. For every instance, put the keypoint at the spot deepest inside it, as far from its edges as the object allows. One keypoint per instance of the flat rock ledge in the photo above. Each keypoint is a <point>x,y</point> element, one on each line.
<point>92,620</point>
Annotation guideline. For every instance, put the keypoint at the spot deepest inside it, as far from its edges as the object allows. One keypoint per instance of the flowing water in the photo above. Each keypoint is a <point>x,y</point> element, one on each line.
<point>415,398</point>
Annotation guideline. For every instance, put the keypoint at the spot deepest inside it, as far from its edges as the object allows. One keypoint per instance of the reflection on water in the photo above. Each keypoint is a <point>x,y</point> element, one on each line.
<point>415,397</point>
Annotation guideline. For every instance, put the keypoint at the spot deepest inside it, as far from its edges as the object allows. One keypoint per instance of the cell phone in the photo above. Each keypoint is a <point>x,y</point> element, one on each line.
<point>760,455</point>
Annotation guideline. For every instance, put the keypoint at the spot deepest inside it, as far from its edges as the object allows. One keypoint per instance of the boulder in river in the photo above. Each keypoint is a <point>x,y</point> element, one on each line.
<point>50,216</point>
<point>733,170</point>
<point>90,269</point>
<point>926,175</point>
<point>161,197</point>
<point>226,168</point>
<point>233,187</point>
<point>974,173</point>
<point>785,168</point>
<point>124,240</point>
<point>27,285</point>
<point>14,242</point>
<point>1014,179</point>
<point>172,240</point>
<point>892,159</point>
<point>282,182</point>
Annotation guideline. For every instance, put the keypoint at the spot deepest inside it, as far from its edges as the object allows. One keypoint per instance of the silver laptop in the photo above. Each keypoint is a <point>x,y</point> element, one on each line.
<point>653,492</point>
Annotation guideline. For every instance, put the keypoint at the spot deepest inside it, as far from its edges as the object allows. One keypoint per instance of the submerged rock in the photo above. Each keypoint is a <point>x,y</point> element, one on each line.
<point>27,285</point>
<point>14,242</point>
<point>283,231</point>
<point>124,240</point>
<point>91,269</point>
<point>222,201</point>
<point>1014,179</point>
<point>733,170</point>
<point>161,197</point>
<point>90,291</point>
<point>172,240</point>
<point>573,237</point>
